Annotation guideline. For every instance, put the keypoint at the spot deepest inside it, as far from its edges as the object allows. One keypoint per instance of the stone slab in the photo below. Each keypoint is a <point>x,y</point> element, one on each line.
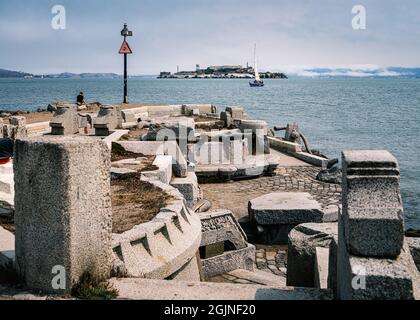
<point>230,260</point>
<point>118,172</point>
<point>164,172</point>
<point>219,226</point>
<point>284,208</point>
<point>259,277</point>
<point>188,187</point>
<point>283,145</point>
<point>179,163</point>
<point>147,289</point>
<point>114,136</point>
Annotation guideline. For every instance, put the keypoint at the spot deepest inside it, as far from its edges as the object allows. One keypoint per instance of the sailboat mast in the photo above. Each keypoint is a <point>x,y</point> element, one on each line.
<point>257,75</point>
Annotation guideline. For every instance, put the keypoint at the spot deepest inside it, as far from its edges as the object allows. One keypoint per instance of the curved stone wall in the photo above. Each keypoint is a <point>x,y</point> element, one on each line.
<point>163,247</point>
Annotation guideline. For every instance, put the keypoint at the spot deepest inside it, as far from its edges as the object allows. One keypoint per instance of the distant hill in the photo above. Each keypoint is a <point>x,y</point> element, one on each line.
<point>13,74</point>
<point>17,74</point>
<point>82,75</point>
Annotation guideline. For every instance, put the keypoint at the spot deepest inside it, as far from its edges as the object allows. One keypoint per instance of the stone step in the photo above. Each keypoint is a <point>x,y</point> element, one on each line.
<point>259,277</point>
<point>149,289</point>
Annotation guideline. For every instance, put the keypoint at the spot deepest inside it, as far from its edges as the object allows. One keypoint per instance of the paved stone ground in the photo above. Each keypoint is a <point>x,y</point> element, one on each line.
<point>293,176</point>
<point>235,195</point>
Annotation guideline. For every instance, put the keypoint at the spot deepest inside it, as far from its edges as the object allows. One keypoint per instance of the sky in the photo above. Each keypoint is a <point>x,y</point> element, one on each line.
<point>290,34</point>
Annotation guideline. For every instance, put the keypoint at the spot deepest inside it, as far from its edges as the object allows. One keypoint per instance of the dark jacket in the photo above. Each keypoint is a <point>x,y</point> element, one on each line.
<point>80,98</point>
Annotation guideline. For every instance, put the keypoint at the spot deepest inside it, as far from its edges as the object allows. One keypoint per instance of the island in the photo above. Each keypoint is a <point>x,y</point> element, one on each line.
<point>221,72</point>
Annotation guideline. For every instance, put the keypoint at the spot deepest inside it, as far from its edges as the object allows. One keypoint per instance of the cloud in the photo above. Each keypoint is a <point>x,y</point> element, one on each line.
<point>363,71</point>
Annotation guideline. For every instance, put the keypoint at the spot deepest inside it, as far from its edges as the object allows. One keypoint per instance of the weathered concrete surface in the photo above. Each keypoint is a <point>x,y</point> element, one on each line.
<point>330,213</point>
<point>189,272</point>
<point>114,136</point>
<point>257,277</point>
<point>7,248</point>
<point>321,267</point>
<point>229,260</point>
<point>285,208</point>
<point>164,172</point>
<point>139,289</point>
<point>374,262</point>
<point>109,118</point>
<point>237,113</point>
<point>118,172</point>
<point>64,121</point>
<point>179,128</point>
<point>372,208</point>
<point>63,210</point>
<point>18,127</point>
<point>364,278</point>
<point>303,241</point>
<point>188,187</point>
<point>38,128</point>
<point>283,145</point>
<point>223,244</point>
<point>414,245</point>
<point>312,159</point>
<point>179,164</point>
<point>190,109</point>
<point>220,225</point>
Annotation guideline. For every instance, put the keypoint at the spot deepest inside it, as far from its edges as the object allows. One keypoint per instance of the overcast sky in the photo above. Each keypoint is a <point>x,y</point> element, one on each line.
<point>289,34</point>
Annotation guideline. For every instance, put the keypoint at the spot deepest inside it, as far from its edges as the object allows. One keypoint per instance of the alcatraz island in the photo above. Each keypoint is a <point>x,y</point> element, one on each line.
<point>221,72</point>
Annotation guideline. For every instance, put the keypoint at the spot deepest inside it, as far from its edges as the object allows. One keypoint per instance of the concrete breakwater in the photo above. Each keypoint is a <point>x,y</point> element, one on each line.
<point>245,210</point>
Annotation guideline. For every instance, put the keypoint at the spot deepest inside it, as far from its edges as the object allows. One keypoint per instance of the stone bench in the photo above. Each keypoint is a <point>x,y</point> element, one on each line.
<point>275,214</point>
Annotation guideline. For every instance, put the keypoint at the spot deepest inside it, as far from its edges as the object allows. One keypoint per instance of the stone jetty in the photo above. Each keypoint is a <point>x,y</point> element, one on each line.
<point>191,202</point>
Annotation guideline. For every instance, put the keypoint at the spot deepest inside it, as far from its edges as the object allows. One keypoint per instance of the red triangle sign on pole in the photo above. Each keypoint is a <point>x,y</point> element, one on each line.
<point>125,48</point>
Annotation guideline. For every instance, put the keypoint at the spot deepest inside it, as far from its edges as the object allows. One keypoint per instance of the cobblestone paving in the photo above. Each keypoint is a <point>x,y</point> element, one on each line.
<point>272,259</point>
<point>235,195</point>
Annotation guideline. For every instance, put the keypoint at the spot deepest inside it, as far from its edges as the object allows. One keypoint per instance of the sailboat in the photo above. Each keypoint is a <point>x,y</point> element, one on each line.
<point>257,82</point>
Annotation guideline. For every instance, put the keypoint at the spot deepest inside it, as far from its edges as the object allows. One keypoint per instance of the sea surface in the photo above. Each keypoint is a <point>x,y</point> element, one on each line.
<point>334,114</point>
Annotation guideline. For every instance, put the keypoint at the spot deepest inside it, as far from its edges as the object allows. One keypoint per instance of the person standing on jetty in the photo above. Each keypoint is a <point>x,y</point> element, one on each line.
<point>80,99</point>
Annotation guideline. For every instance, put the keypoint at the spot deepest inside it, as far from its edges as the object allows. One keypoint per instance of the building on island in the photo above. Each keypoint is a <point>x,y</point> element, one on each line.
<point>223,71</point>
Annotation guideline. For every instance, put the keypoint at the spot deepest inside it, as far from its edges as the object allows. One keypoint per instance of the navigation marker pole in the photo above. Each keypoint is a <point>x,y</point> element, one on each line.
<point>125,49</point>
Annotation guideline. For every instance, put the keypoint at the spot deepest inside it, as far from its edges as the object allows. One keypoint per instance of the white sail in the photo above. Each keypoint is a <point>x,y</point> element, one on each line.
<point>257,75</point>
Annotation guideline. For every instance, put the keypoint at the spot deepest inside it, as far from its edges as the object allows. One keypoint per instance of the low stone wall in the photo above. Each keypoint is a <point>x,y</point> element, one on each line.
<point>146,112</point>
<point>224,245</point>
<point>171,148</point>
